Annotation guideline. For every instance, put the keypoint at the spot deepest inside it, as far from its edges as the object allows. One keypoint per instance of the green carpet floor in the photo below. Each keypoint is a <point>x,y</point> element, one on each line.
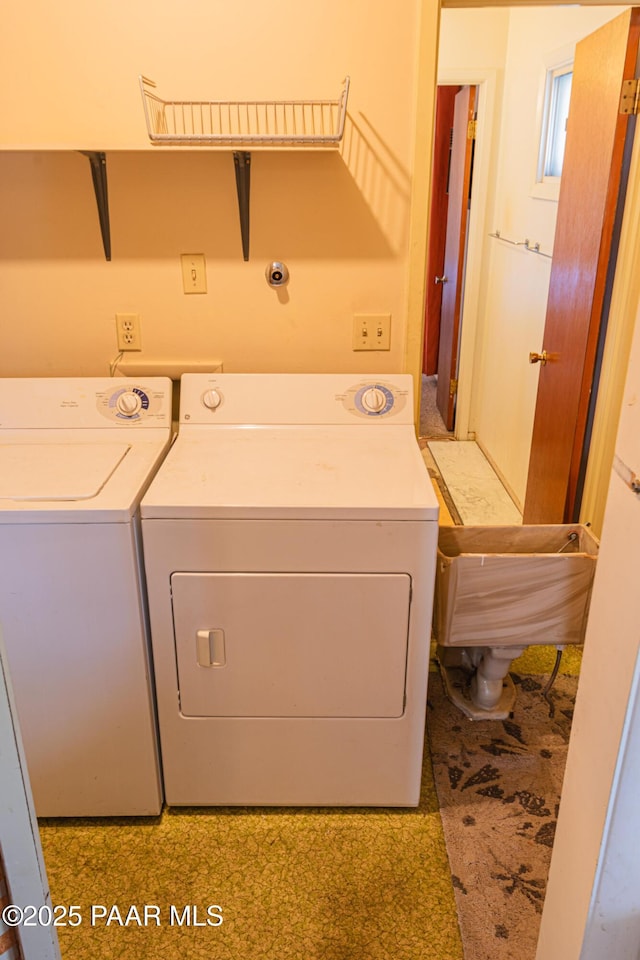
<point>291,883</point>
<point>323,884</point>
<point>541,660</point>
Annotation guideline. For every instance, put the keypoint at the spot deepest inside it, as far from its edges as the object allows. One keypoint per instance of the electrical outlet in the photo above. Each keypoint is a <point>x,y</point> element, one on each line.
<point>372,331</point>
<point>128,332</point>
<point>194,274</point>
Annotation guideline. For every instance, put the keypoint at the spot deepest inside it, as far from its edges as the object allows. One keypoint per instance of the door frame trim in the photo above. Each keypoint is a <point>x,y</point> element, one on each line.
<point>624,301</point>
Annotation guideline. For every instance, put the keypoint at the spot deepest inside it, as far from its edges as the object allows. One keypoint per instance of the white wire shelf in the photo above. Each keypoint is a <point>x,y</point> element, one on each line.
<point>235,122</point>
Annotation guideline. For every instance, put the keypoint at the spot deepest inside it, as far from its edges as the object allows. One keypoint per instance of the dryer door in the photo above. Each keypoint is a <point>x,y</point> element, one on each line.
<point>291,644</point>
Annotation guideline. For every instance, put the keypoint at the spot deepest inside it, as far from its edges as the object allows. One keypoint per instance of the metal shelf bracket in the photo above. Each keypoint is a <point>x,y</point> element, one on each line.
<point>98,161</point>
<point>242,163</point>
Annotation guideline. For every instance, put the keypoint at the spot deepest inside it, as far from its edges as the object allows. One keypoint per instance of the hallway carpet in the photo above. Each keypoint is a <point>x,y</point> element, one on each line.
<point>317,884</point>
<point>431,422</point>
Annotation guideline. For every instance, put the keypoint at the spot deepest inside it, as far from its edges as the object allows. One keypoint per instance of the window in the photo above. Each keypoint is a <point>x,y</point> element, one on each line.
<point>553,129</point>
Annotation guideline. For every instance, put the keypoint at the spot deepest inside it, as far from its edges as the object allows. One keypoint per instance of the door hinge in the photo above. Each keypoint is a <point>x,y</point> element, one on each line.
<point>453,387</point>
<point>471,129</point>
<point>630,99</point>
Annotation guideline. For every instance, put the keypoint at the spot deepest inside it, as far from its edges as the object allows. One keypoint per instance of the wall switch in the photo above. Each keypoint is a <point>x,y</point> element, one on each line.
<point>372,331</point>
<point>194,274</point>
<point>128,332</point>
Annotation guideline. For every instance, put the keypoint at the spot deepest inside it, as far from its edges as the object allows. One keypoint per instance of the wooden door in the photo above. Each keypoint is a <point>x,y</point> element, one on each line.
<point>438,209</point>
<point>583,261</point>
<point>455,249</point>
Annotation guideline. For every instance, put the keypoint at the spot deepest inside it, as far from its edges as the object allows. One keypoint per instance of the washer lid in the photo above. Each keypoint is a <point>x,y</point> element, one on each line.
<point>57,471</point>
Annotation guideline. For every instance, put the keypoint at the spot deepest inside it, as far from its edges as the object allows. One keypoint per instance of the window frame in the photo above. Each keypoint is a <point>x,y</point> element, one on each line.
<point>558,63</point>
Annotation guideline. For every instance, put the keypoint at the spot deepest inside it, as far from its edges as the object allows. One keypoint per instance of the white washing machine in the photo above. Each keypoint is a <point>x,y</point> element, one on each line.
<point>290,542</point>
<point>76,455</point>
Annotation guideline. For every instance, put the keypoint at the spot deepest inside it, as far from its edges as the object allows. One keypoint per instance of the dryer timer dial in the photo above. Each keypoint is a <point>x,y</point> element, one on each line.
<point>128,403</point>
<point>374,399</point>
<point>211,399</point>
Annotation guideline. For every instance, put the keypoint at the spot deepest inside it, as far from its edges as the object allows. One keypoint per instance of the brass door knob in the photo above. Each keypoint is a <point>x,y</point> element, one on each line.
<point>538,357</point>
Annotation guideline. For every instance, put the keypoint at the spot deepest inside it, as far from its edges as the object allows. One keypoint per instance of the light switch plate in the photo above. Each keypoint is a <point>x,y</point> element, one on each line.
<point>194,273</point>
<point>372,331</point>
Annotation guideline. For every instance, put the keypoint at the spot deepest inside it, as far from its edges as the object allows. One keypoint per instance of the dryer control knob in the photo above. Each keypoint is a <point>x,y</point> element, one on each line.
<point>128,404</point>
<point>211,399</point>
<point>374,400</point>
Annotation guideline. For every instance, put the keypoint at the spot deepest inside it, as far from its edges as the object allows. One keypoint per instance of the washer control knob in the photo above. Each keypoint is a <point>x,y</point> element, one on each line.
<point>211,399</point>
<point>374,400</point>
<point>128,404</point>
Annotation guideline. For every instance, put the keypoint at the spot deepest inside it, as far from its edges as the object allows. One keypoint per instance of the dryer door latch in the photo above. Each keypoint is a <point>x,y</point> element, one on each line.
<point>210,649</point>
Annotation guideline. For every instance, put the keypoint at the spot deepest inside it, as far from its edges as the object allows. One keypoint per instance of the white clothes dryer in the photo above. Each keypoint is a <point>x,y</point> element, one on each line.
<point>76,455</point>
<point>290,541</point>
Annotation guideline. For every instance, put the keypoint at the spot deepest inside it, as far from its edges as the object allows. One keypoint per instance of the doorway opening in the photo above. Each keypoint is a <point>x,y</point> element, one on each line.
<point>509,283</point>
<point>503,410</point>
<point>452,178</point>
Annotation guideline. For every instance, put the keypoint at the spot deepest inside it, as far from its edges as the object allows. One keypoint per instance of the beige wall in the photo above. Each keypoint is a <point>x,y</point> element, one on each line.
<point>341,220</point>
<point>473,38</point>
